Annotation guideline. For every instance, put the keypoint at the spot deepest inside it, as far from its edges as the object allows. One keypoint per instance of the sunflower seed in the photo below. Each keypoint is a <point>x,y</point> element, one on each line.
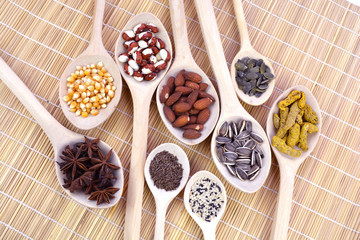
<point>241,126</point>
<point>253,176</point>
<point>256,137</point>
<point>248,126</point>
<point>241,174</point>
<point>229,162</point>
<point>223,129</point>
<point>234,128</point>
<point>230,156</point>
<point>220,154</point>
<point>243,151</point>
<point>253,169</point>
<point>258,159</point>
<point>222,140</point>
<point>253,158</point>
<point>244,167</point>
<point>250,144</point>
<point>243,134</point>
<point>230,132</point>
<point>243,161</point>
<point>260,150</point>
<point>231,169</point>
<point>229,147</point>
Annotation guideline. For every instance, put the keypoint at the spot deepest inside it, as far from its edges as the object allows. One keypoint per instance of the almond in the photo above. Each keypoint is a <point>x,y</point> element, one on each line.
<point>191,134</point>
<point>179,80</point>
<point>203,86</point>
<point>184,90</point>
<point>173,98</point>
<point>181,107</point>
<point>203,116</point>
<point>177,114</point>
<point>192,77</point>
<point>169,114</point>
<point>171,84</point>
<point>197,127</point>
<point>192,85</point>
<point>164,94</point>
<point>182,99</point>
<point>194,111</point>
<point>191,99</point>
<point>202,103</point>
<point>193,119</point>
<point>206,95</point>
<point>181,121</point>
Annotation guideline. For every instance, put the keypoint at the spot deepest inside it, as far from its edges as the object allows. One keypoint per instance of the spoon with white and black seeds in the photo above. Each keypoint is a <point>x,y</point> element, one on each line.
<point>251,73</point>
<point>231,109</point>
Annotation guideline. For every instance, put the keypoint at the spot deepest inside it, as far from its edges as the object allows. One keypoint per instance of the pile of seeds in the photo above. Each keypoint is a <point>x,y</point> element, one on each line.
<point>166,171</point>
<point>186,103</point>
<point>253,76</point>
<point>238,147</point>
<point>86,169</point>
<point>90,88</point>
<point>206,199</point>
<point>145,54</point>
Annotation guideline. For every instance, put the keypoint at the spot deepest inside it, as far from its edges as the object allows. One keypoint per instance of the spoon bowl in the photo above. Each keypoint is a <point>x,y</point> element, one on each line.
<point>163,197</point>
<point>184,60</point>
<point>95,53</point>
<point>208,228</point>
<point>141,93</point>
<point>289,165</point>
<point>59,136</point>
<point>231,109</point>
<point>248,51</point>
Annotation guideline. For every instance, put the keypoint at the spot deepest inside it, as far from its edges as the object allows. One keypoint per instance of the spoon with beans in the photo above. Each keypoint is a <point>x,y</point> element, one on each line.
<point>139,43</point>
<point>251,73</point>
<point>90,86</point>
<point>190,120</point>
<point>59,136</point>
<point>231,109</point>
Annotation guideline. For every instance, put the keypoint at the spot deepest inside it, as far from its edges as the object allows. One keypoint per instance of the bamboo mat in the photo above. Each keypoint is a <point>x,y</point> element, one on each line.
<point>313,43</point>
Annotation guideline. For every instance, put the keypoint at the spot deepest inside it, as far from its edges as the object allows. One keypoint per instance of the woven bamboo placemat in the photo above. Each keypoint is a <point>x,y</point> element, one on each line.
<point>314,43</point>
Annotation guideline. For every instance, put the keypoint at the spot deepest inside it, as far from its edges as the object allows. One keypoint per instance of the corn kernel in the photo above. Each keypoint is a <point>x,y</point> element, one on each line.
<point>78,68</point>
<point>94,112</point>
<point>91,88</point>
<point>100,73</point>
<point>113,88</point>
<point>86,100</point>
<point>76,95</point>
<point>74,75</point>
<point>78,113</point>
<point>92,66</point>
<point>70,79</point>
<point>100,65</point>
<point>96,104</point>
<point>97,86</point>
<point>79,100</point>
<point>83,95</point>
<point>110,79</point>
<point>111,94</point>
<point>103,105</point>
<point>82,88</point>
<point>97,78</point>
<point>82,74</point>
<point>102,101</point>
<point>66,98</point>
<point>88,105</point>
<point>72,109</point>
<point>73,104</point>
<point>87,72</point>
<point>107,75</point>
<point>84,114</point>
<point>94,71</point>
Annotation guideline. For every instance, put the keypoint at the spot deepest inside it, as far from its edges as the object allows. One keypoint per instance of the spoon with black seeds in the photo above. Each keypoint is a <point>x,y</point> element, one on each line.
<point>251,72</point>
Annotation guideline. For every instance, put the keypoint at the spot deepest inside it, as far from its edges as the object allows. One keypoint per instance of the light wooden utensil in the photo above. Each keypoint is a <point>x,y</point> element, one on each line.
<point>94,53</point>
<point>141,95</point>
<point>208,228</point>
<point>248,51</point>
<point>59,135</point>
<point>184,60</point>
<point>161,196</point>
<point>289,165</point>
<point>231,109</point>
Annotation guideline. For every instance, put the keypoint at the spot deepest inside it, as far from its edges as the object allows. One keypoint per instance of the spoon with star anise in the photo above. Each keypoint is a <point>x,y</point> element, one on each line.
<point>66,144</point>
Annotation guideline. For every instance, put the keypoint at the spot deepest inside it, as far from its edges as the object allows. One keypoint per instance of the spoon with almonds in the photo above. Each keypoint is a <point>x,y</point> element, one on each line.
<point>94,55</point>
<point>163,197</point>
<point>208,228</point>
<point>231,109</point>
<point>184,60</point>
<point>141,92</point>
<point>289,165</point>
<point>248,51</point>
<point>59,135</point>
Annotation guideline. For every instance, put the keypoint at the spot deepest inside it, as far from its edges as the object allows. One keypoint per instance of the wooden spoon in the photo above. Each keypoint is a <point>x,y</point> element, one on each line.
<point>289,165</point>
<point>163,197</point>
<point>94,53</point>
<point>184,60</point>
<point>141,94</point>
<point>59,135</point>
<point>231,109</point>
<point>208,228</point>
<point>248,51</point>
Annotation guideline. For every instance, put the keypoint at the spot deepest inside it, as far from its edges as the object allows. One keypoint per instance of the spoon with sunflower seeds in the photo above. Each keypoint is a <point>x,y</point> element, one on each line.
<point>141,92</point>
<point>231,109</point>
<point>90,86</point>
<point>251,73</point>
<point>60,137</point>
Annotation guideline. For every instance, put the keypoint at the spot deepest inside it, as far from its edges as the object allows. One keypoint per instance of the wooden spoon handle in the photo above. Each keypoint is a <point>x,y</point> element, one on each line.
<point>160,221</point>
<point>216,55</point>
<point>136,175</point>
<point>53,129</point>
<point>178,22</point>
<point>240,18</point>
<point>96,45</point>
<point>283,208</point>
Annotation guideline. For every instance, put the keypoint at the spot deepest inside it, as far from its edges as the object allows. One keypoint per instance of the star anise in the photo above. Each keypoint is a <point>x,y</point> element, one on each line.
<point>91,146</point>
<point>73,161</point>
<point>106,177</point>
<point>103,195</point>
<point>82,181</point>
<point>103,162</point>
<point>92,187</point>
